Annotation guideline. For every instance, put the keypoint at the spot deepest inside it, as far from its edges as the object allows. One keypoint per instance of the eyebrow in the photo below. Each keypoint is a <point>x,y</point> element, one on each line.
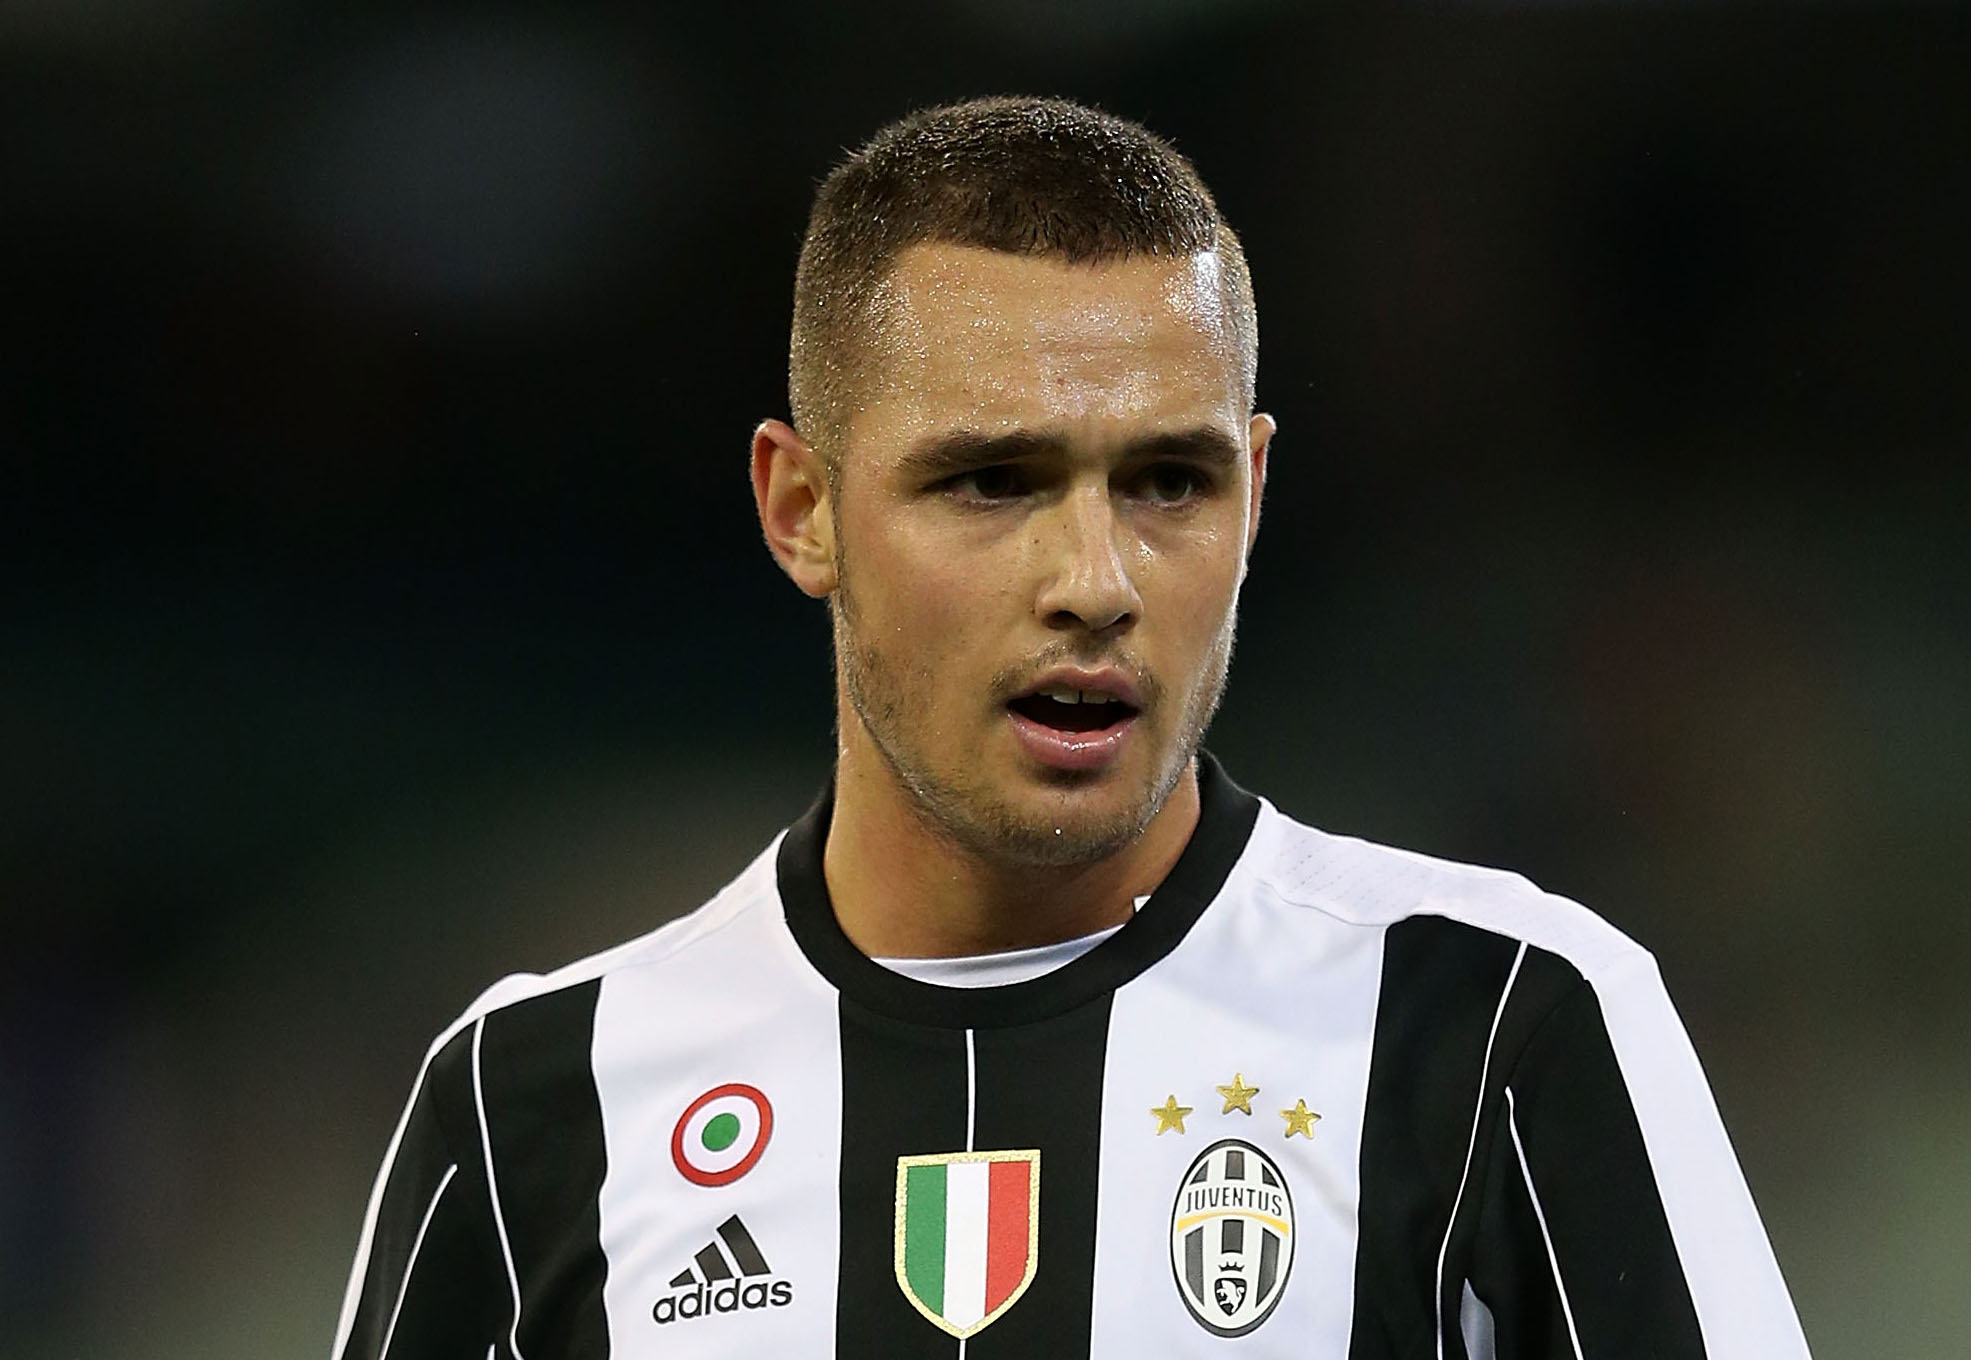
<point>946,455</point>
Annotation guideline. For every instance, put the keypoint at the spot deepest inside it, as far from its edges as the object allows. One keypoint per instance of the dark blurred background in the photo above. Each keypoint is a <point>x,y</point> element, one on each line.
<point>383,609</point>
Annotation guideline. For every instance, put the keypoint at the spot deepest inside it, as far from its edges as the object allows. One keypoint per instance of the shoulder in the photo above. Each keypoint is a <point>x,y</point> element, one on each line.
<point>1473,950</point>
<point>1362,883</point>
<point>531,1001</point>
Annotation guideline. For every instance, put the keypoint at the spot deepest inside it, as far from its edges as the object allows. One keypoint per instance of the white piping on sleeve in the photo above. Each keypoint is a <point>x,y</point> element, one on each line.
<point>352,1296</point>
<point>1471,1146</point>
<point>417,1245</point>
<point>1566,1308</point>
<point>492,1186</point>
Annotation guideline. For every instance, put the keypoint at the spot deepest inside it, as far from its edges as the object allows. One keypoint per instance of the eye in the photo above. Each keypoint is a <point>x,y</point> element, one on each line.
<point>1172,483</point>
<point>997,482</point>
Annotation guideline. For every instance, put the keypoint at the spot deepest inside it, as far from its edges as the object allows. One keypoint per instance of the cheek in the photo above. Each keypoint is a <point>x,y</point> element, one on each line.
<point>925,595</point>
<point>1194,597</point>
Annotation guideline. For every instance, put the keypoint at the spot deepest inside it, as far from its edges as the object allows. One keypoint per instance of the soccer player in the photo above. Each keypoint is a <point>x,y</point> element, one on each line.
<point>1038,1035</point>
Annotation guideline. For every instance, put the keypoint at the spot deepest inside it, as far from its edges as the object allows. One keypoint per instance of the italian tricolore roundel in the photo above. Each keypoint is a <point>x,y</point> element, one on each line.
<point>721,1134</point>
<point>1231,1237</point>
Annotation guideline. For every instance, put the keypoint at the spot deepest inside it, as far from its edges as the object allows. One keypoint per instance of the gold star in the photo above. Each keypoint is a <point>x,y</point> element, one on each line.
<point>1238,1096</point>
<point>1170,1115</point>
<point>1299,1119</point>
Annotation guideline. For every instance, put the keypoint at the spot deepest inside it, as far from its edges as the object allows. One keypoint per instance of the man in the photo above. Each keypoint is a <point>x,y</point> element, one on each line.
<point>1038,1036</point>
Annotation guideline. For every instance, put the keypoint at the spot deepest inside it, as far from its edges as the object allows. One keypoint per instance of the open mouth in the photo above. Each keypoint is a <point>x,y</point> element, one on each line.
<point>1068,710</point>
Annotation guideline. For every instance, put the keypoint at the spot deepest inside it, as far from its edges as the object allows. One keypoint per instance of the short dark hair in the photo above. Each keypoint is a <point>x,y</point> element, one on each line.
<point>1019,174</point>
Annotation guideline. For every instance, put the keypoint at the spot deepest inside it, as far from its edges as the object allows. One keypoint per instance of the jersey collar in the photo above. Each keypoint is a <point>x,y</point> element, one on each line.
<point>1226,814</point>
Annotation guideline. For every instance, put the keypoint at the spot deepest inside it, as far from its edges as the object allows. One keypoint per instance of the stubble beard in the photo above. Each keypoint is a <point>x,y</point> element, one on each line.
<point>890,703</point>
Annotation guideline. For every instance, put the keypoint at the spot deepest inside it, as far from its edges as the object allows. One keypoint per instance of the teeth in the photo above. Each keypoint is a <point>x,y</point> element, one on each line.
<point>1060,694</point>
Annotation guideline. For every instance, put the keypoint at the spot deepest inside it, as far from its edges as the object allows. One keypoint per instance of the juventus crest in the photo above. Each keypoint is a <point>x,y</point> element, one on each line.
<point>1232,1237</point>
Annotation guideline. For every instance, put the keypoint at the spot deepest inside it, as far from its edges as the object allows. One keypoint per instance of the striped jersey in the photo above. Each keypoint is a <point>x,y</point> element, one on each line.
<point>1318,1098</point>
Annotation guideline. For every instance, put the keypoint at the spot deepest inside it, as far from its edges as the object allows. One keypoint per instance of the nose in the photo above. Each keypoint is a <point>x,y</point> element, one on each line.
<point>1087,584</point>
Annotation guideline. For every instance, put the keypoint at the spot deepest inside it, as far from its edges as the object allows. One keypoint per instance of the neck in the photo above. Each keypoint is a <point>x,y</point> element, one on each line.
<point>901,889</point>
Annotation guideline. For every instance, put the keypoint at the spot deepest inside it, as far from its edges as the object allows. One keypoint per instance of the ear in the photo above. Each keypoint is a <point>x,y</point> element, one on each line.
<point>1259,438</point>
<point>790,489</point>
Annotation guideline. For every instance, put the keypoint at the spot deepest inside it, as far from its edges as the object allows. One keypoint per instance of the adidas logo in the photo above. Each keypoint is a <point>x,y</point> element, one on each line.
<point>727,1275</point>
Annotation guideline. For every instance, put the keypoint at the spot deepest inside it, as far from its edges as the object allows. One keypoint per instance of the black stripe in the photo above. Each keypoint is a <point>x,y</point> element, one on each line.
<point>1225,821</point>
<point>1040,1086</point>
<point>1597,1192</point>
<point>548,1162</point>
<point>903,1094</point>
<point>712,1265</point>
<point>745,1251</point>
<point>1441,986</point>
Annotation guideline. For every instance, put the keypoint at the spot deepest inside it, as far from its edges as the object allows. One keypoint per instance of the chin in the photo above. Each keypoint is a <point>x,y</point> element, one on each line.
<point>1057,820</point>
<point>1060,842</point>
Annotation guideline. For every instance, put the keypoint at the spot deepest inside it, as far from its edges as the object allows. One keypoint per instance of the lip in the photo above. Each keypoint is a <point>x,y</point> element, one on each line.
<point>1109,680</point>
<point>1078,752</point>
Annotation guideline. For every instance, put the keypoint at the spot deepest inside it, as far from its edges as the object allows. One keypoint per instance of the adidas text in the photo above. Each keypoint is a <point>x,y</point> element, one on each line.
<point>730,1297</point>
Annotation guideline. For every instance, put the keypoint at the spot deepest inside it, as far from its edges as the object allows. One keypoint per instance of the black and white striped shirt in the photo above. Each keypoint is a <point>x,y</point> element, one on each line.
<point>1319,1098</point>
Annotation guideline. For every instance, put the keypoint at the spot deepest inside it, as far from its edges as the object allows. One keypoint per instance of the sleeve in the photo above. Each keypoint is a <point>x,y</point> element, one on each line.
<point>1615,1221</point>
<point>429,1281</point>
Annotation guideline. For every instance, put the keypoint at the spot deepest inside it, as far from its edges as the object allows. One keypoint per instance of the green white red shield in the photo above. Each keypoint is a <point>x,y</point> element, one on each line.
<point>967,1235</point>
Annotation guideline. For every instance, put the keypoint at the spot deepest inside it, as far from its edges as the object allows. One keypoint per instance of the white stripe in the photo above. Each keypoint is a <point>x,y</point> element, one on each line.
<point>971,1088</point>
<point>503,993</point>
<point>967,1191</point>
<point>1735,1285</point>
<point>1566,1308</point>
<point>492,1186</point>
<point>1471,1145</point>
<point>417,1245</point>
<point>1480,1332</point>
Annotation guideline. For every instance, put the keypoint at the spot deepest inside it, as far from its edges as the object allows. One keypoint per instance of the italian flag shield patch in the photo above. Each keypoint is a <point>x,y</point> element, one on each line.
<point>968,1234</point>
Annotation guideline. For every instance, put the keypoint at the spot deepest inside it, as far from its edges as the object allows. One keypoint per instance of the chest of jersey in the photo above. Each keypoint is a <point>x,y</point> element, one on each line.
<point>1168,1168</point>
<point>1316,1099</point>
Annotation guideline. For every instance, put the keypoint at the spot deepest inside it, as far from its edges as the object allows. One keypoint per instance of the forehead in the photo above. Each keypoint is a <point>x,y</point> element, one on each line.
<point>985,339</point>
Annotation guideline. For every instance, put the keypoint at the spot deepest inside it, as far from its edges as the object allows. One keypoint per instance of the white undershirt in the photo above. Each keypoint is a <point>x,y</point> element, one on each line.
<point>1000,970</point>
